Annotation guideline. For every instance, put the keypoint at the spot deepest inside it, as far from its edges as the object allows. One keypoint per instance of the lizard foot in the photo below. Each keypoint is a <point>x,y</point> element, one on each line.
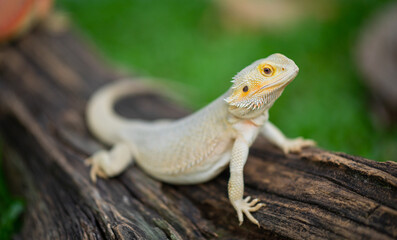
<point>246,207</point>
<point>96,169</point>
<point>295,145</point>
<point>110,163</point>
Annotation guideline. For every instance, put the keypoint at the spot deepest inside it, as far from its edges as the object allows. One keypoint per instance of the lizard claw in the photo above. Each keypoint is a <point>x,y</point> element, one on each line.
<point>96,170</point>
<point>246,207</point>
<point>253,202</point>
<point>247,199</point>
<point>295,145</point>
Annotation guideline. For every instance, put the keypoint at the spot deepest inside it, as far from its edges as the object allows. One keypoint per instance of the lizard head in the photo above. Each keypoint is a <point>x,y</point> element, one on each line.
<point>256,87</point>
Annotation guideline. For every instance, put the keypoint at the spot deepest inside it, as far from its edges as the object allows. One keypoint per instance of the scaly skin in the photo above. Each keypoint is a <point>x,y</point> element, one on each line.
<point>198,147</point>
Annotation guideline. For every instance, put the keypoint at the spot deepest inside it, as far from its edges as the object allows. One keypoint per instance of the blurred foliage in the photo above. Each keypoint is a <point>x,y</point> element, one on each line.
<point>186,42</point>
<point>10,208</point>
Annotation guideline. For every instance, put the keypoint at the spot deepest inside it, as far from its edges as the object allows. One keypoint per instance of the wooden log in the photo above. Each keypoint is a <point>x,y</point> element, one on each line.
<point>45,81</point>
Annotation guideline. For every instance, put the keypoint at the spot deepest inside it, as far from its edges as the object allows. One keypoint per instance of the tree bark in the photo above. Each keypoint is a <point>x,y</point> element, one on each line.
<point>45,81</point>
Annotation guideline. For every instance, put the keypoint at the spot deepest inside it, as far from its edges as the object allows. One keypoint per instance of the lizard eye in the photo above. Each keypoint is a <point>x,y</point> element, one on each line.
<point>267,70</point>
<point>245,89</point>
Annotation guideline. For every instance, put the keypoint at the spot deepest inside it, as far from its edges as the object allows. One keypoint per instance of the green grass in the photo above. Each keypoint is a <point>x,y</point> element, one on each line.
<point>10,208</point>
<point>184,42</point>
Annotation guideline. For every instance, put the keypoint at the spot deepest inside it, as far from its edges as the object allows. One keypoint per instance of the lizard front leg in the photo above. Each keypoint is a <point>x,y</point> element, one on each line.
<point>236,183</point>
<point>110,163</point>
<point>276,137</point>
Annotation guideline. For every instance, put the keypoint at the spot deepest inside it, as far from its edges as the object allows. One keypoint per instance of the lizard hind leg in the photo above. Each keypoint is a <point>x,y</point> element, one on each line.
<point>110,163</point>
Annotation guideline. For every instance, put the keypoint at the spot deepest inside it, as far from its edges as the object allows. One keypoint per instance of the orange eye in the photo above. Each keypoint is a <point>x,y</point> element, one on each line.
<point>267,70</point>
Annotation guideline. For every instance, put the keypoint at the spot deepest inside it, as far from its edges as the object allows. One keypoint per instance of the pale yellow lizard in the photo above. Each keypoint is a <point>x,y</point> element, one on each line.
<point>198,147</point>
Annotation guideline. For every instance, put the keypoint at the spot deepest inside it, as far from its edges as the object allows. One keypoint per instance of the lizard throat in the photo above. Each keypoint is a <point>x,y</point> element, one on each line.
<point>255,106</point>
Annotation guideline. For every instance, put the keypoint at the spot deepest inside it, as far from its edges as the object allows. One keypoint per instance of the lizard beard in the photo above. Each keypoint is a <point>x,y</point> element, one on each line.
<point>255,105</point>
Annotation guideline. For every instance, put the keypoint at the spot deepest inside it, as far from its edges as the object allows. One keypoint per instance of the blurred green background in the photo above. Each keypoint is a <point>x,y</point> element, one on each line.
<point>10,207</point>
<point>201,44</point>
<point>197,46</point>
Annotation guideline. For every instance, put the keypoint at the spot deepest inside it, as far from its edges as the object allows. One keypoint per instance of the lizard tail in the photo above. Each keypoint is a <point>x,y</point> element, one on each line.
<point>102,119</point>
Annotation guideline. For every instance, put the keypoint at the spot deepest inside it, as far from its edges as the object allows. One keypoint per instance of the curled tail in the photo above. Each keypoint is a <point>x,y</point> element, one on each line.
<point>102,119</point>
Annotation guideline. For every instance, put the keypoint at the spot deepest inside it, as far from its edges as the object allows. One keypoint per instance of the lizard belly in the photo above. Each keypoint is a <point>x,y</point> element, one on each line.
<point>196,168</point>
<point>207,171</point>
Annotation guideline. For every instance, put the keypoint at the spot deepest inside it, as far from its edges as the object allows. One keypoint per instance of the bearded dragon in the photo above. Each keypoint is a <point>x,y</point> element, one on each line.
<point>196,148</point>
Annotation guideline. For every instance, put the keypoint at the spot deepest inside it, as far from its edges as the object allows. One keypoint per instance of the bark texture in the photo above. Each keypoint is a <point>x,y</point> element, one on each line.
<point>45,81</point>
